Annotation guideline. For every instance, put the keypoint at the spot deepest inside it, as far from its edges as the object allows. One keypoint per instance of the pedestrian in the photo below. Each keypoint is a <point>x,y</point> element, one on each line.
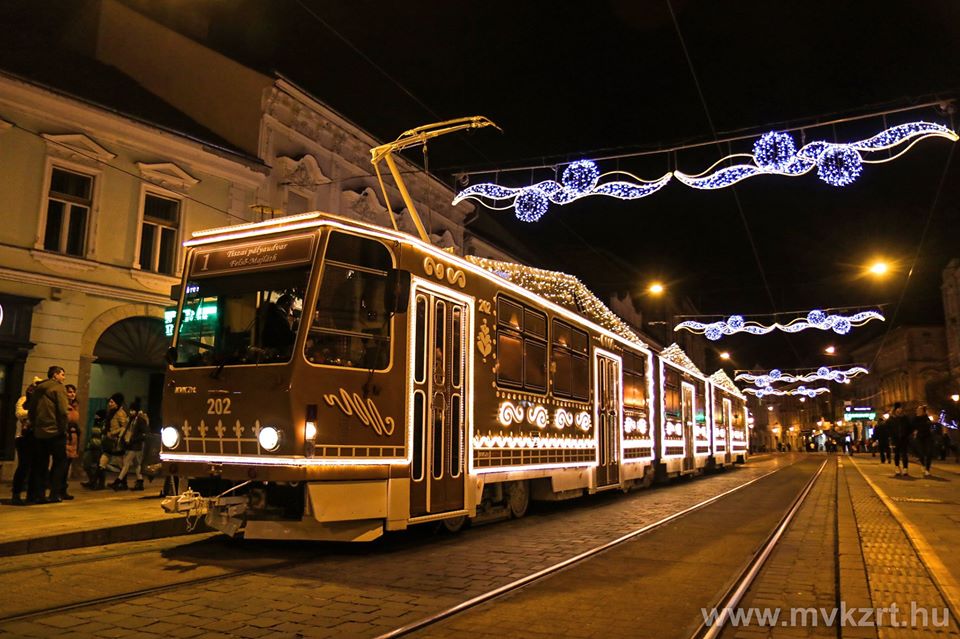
<point>93,449</point>
<point>113,436</point>
<point>137,433</point>
<point>48,407</point>
<point>926,433</point>
<point>73,437</point>
<point>25,445</point>
<point>901,427</point>
<point>881,435</point>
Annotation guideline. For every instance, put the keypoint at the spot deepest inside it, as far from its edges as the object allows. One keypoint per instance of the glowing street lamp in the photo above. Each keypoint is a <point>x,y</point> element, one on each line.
<point>656,288</point>
<point>955,397</point>
<point>830,350</point>
<point>724,355</point>
<point>879,268</point>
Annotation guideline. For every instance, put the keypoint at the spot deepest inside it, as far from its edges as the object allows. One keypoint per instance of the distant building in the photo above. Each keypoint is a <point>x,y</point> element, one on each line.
<point>951,313</point>
<point>911,357</point>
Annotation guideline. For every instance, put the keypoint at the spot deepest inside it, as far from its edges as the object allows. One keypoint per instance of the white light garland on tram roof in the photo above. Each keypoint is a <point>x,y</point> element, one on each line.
<point>837,164</point>
<point>801,391</point>
<point>825,373</point>
<point>559,288</point>
<point>839,324</point>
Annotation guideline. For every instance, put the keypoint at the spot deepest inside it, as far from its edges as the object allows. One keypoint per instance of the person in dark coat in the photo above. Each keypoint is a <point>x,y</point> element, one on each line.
<point>25,445</point>
<point>278,326</point>
<point>49,408</point>
<point>881,435</point>
<point>926,431</point>
<point>901,427</point>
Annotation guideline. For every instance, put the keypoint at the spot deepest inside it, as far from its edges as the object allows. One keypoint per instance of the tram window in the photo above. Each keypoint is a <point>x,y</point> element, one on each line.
<point>535,365</point>
<point>671,393</point>
<point>350,325</point>
<point>571,368</point>
<point>509,359</point>
<point>509,313</point>
<point>521,346</point>
<point>421,340</point>
<point>417,442</point>
<point>439,412</point>
<point>634,383</point>
<point>455,462</point>
<point>457,342</point>
<point>240,318</point>
<point>535,323</point>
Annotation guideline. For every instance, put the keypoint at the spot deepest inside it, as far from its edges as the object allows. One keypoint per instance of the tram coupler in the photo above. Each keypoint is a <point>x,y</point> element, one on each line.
<point>189,502</point>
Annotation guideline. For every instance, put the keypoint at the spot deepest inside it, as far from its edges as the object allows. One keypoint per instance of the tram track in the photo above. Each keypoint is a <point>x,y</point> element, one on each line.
<point>303,565</point>
<point>749,575</point>
<point>544,573</point>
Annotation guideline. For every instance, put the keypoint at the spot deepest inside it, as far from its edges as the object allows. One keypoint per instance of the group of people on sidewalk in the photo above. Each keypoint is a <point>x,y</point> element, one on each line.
<point>48,441</point>
<point>901,430</point>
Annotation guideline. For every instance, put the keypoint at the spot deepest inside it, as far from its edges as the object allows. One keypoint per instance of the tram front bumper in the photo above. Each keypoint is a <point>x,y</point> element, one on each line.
<point>226,514</point>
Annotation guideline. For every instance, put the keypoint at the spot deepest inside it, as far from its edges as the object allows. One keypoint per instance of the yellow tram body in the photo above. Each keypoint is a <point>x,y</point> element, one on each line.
<point>415,386</point>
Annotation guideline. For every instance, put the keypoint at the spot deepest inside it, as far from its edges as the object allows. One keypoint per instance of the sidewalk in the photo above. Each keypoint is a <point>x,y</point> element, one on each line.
<point>924,515</point>
<point>94,518</point>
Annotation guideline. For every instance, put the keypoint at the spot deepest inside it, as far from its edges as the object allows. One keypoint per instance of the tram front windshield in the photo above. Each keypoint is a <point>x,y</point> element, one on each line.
<point>240,318</point>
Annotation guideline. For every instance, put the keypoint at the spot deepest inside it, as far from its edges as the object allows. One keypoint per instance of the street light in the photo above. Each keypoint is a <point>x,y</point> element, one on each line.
<point>724,355</point>
<point>955,397</point>
<point>879,268</point>
<point>830,350</point>
<point>655,288</point>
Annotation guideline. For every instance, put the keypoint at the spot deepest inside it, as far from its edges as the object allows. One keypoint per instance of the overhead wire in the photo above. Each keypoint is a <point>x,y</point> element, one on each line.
<point>736,197</point>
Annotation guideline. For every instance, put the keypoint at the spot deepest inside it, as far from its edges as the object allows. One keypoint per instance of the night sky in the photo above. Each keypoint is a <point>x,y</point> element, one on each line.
<point>568,81</point>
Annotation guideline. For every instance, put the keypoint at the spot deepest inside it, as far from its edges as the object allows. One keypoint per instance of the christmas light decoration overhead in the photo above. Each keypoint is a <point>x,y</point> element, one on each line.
<point>837,164</point>
<point>774,153</point>
<point>839,324</point>
<point>776,375</point>
<point>801,391</point>
<point>580,179</point>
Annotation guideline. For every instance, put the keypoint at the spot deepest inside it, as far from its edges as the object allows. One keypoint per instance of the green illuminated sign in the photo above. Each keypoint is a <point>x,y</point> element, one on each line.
<point>195,320</point>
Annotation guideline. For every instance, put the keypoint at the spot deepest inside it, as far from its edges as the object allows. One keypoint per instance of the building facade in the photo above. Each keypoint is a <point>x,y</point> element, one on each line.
<point>96,205</point>
<point>905,362</point>
<point>951,313</point>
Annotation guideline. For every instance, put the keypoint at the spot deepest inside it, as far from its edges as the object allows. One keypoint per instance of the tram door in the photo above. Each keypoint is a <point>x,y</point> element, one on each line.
<point>727,423</point>
<point>439,397</point>
<point>687,408</point>
<point>609,413</point>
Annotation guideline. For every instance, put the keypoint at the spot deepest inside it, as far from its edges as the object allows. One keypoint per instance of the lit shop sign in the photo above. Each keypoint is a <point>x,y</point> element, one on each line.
<point>194,319</point>
<point>859,412</point>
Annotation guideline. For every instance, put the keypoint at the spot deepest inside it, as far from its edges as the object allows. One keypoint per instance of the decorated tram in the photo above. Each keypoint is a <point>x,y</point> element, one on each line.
<point>334,380</point>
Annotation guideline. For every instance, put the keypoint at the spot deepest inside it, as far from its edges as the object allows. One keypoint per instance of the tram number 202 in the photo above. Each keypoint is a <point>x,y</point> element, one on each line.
<point>218,406</point>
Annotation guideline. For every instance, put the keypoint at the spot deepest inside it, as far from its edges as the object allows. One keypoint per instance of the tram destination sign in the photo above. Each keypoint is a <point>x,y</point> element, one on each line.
<point>250,256</point>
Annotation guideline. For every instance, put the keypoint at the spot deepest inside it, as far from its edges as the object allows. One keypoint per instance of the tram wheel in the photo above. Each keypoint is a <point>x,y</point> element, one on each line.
<point>518,498</point>
<point>454,524</point>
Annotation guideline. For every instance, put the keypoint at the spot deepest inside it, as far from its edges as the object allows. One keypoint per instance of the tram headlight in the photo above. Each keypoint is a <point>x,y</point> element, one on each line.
<point>170,437</point>
<point>310,431</point>
<point>269,438</point>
